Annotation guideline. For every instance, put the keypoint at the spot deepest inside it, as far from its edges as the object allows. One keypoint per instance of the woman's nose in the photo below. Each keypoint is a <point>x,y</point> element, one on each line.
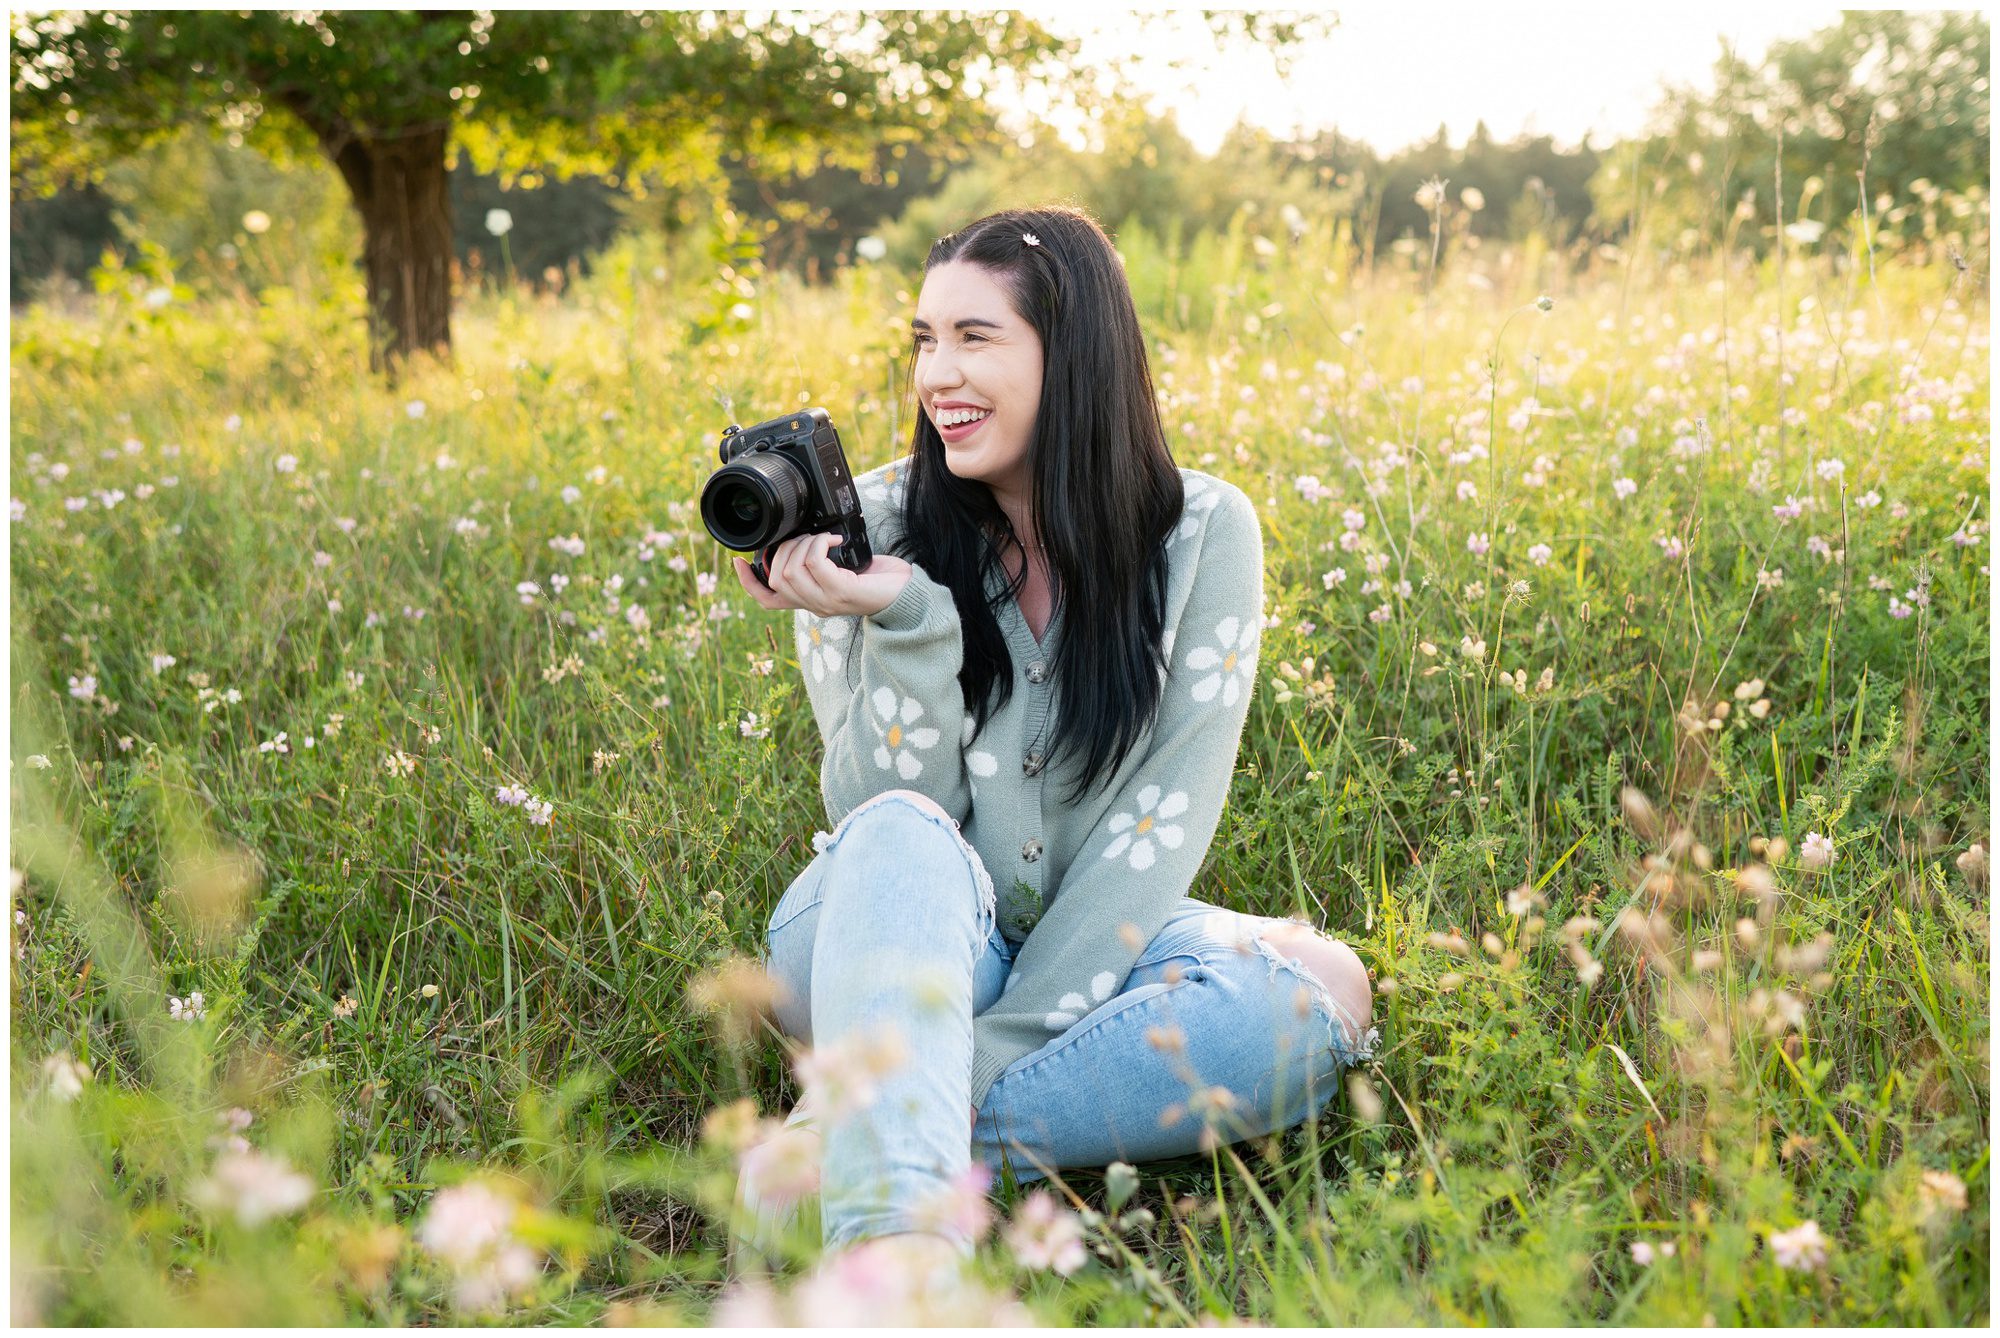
<point>938,372</point>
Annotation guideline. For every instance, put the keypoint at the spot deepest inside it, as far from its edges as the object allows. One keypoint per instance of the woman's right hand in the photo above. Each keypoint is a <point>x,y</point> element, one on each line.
<point>804,577</point>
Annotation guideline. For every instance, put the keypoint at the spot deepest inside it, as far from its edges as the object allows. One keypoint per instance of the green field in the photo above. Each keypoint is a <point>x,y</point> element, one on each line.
<point>1701,570</point>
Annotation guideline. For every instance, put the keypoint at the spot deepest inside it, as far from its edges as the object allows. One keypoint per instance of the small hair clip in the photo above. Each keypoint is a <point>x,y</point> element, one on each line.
<point>1031,239</point>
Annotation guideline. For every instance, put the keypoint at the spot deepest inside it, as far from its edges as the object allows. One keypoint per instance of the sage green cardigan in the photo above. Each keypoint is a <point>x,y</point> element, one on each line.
<point>1087,885</point>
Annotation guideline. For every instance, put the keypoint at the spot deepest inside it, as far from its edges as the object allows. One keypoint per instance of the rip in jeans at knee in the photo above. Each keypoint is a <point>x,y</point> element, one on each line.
<point>1345,1037</point>
<point>825,841</point>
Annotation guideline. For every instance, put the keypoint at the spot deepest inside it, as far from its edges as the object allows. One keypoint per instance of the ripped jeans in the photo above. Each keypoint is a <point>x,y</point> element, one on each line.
<point>890,929</point>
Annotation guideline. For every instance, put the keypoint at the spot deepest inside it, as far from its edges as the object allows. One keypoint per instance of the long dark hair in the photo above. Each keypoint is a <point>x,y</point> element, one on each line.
<point>1105,493</point>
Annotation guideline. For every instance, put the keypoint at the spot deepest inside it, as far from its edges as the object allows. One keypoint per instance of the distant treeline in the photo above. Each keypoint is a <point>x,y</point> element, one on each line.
<point>1890,108</point>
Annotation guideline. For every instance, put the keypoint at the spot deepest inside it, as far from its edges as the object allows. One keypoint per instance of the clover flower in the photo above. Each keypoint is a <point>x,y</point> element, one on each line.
<point>255,1186</point>
<point>1802,1249</point>
<point>1045,1235</point>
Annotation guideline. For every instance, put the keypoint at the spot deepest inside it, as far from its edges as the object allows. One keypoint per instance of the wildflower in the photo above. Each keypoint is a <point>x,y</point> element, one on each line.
<point>511,794</point>
<point>571,545</point>
<point>1671,547</point>
<point>1644,1252</point>
<point>191,1009</point>
<point>1940,1191</point>
<point>1353,520</point>
<point>1770,578</point>
<point>571,494</point>
<point>1749,688</point>
<point>345,1006</point>
<point>1467,490</point>
<point>322,559</point>
<point>163,662</point>
<point>1623,488</point>
<point>539,811</point>
<point>1816,851</point>
<point>469,1228</point>
<point>780,1165</point>
<point>749,728</point>
<point>499,222</point>
<point>1044,1234</point>
<point>1540,554</point>
<point>1830,470</point>
<point>285,464</point>
<point>1519,590</point>
<point>64,1076</point>
<point>1522,900</point>
<point>1789,509</point>
<point>429,991</point>
<point>1869,500</point>
<point>640,620</point>
<point>354,679</point>
<point>1898,609</point>
<point>1477,544</point>
<point>399,763</point>
<point>256,222</point>
<point>704,583</point>
<point>38,761</point>
<point>415,408</point>
<point>871,248</point>
<point>277,745</point>
<point>1972,861</point>
<point>1803,1248</point>
<point>1545,303</point>
<point>84,688</point>
<point>527,590</point>
<point>256,1186</point>
<point>840,1077</point>
<point>233,423</point>
<point>1472,648</point>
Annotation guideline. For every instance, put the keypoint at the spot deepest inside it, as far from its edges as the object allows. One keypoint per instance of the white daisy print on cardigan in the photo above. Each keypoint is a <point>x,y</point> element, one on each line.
<point>1199,499</point>
<point>978,762</point>
<point>887,487</point>
<point>1233,659</point>
<point>1073,1006</point>
<point>898,740</point>
<point>1136,834</point>
<point>823,645</point>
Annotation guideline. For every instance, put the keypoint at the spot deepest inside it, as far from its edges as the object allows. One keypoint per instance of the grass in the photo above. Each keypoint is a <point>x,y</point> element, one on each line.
<point>1710,1086</point>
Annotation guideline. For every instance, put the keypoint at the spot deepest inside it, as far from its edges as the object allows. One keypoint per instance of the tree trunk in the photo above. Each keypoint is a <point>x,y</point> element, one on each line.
<point>399,188</point>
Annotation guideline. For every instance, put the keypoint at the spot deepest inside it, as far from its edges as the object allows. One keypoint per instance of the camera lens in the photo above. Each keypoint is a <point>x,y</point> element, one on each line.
<point>754,502</point>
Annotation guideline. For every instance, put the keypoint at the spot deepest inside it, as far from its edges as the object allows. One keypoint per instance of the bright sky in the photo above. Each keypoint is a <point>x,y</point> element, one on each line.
<point>1389,74</point>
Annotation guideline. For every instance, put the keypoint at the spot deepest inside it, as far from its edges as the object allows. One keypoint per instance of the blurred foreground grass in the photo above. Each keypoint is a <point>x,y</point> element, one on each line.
<point>282,637</point>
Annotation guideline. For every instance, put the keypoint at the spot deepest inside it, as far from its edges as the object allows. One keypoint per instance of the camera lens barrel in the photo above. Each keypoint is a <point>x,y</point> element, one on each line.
<point>753,502</point>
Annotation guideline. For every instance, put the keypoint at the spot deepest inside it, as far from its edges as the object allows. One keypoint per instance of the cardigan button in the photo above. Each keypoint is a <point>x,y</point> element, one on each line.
<point>1023,919</point>
<point>1032,851</point>
<point>1036,673</point>
<point>1032,764</point>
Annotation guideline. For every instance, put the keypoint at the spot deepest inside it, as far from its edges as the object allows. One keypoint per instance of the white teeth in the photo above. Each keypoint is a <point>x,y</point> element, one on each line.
<point>954,417</point>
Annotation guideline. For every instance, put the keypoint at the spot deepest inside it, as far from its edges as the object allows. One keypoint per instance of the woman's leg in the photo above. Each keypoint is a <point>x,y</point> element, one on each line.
<point>879,955</point>
<point>1220,1026</point>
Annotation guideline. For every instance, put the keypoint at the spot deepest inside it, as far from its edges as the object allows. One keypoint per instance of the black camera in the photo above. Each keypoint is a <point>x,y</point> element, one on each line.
<point>782,478</point>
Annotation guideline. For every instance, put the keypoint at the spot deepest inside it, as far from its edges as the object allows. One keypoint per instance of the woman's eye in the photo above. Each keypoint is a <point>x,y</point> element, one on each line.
<point>920,340</point>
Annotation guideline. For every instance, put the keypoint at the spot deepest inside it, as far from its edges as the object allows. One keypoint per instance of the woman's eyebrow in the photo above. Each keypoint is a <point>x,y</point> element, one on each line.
<point>919,323</point>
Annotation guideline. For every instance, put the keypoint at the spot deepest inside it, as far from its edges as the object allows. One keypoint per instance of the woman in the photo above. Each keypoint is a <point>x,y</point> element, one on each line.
<point>1031,702</point>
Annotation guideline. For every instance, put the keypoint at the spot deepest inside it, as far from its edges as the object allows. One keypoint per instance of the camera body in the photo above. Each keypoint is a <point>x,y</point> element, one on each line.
<point>782,478</point>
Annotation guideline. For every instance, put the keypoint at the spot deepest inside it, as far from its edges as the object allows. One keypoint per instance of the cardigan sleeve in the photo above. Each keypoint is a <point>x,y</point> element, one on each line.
<point>886,696</point>
<point>1134,869</point>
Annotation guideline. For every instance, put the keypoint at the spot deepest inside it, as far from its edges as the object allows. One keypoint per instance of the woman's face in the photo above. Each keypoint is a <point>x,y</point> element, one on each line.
<point>979,375</point>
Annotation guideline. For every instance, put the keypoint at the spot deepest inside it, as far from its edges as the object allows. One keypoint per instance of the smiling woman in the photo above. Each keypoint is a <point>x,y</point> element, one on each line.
<point>1019,942</point>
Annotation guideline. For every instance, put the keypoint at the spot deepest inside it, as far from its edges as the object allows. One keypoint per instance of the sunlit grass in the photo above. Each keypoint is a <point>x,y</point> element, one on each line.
<point>402,620</point>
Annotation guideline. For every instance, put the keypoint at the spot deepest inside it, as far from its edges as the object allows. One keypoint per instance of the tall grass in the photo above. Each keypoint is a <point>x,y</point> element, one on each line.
<point>1559,800</point>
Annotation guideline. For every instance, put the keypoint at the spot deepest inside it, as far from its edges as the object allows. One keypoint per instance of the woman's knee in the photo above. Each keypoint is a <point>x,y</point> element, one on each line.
<point>1334,965</point>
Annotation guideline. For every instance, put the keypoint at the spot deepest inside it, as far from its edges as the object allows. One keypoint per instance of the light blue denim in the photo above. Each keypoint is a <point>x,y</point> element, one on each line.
<point>888,927</point>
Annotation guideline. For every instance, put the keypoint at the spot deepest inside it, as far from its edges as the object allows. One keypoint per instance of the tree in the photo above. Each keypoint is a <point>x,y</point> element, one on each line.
<point>1886,103</point>
<point>389,96</point>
